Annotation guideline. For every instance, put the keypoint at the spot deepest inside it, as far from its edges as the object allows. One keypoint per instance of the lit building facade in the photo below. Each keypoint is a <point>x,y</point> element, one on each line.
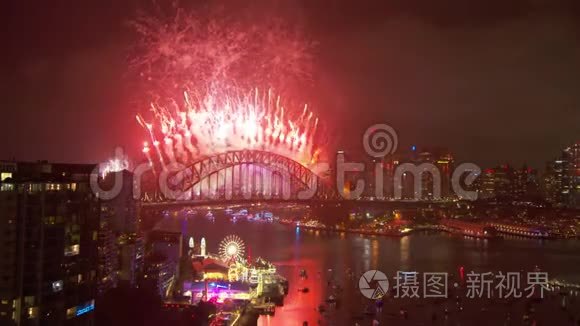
<point>561,181</point>
<point>572,155</point>
<point>509,183</point>
<point>49,219</point>
<point>121,247</point>
<point>159,272</point>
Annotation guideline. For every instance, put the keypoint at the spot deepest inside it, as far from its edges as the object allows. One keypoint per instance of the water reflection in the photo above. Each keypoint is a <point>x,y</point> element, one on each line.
<point>292,249</point>
<point>375,254</point>
<point>405,253</point>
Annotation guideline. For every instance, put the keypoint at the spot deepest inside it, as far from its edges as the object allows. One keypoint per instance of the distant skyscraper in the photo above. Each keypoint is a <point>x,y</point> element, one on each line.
<point>501,182</point>
<point>442,159</point>
<point>49,221</point>
<point>561,181</point>
<point>525,184</point>
<point>572,155</point>
<point>486,184</point>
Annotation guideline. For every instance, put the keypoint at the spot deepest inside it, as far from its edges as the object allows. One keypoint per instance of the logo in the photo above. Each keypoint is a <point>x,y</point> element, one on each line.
<point>381,280</point>
<point>380,140</point>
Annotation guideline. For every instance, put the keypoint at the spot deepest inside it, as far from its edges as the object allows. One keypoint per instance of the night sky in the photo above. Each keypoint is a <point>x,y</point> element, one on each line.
<point>494,81</point>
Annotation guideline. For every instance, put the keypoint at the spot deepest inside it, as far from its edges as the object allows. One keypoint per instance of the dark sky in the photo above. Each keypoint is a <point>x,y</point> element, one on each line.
<point>493,81</point>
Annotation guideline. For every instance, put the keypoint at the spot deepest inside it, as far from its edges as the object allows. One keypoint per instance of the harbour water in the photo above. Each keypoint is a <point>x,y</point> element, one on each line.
<point>328,258</point>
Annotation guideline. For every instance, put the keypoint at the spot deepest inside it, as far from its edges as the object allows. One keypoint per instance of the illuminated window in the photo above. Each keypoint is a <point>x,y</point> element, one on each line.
<point>35,187</point>
<point>72,250</point>
<point>6,187</point>
<point>33,312</point>
<point>71,312</point>
<point>5,175</point>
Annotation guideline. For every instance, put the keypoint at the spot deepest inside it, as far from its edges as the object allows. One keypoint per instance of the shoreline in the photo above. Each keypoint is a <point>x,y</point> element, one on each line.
<point>435,228</point>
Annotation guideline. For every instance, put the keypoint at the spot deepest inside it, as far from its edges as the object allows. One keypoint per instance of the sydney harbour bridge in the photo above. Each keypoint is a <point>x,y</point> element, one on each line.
<point>248,176</point>
<point>241,175</point>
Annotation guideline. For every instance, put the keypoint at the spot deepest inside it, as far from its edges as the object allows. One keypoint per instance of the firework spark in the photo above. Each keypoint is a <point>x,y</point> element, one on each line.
<point>218,123</point>
<point>114,165</point>
<point>181,49</point>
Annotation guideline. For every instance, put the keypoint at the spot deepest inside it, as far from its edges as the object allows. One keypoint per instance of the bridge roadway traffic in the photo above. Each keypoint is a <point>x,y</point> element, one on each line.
<point>386,204</point>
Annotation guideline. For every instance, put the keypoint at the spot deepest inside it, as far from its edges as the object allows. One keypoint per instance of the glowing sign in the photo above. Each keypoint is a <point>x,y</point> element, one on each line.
<point>87,307</point>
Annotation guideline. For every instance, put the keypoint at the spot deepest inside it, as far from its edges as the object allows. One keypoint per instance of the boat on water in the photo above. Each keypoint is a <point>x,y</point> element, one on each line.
<point>242,212</point>
<point>303,273</point>
<point>469,229</point>
<point>304,290</point>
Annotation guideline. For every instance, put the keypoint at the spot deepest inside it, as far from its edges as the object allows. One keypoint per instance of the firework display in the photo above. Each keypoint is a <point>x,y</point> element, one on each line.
<point>219,123</point>
<point>191,48</point>
<point>211,77</point>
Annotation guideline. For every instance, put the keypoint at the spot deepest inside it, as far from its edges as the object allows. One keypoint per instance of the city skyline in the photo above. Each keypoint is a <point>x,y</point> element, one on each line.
<point>290,162</point>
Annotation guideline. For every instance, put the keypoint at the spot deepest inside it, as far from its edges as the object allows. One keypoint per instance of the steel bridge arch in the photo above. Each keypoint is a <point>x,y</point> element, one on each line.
<point>301,177</point>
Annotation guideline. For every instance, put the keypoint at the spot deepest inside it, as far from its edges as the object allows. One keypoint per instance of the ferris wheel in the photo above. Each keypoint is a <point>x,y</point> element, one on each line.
<point>232,248</point>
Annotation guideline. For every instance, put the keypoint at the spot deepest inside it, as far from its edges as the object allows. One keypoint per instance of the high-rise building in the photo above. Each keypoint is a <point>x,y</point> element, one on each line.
<point>505,182</point>
<point>486,184</point>
<point>525,183</point>
<point>549,183</point>
<point>443,161</point>
<point>108,271</point>
<point>390,163</point>
<point>561,181</point>
<point>445,164</point>
<point>159,273</point>
<point>49,221</point>
<point>122,259</point>
<point>131,257</point>
<point>162,263</point>
<point>572,156</point>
